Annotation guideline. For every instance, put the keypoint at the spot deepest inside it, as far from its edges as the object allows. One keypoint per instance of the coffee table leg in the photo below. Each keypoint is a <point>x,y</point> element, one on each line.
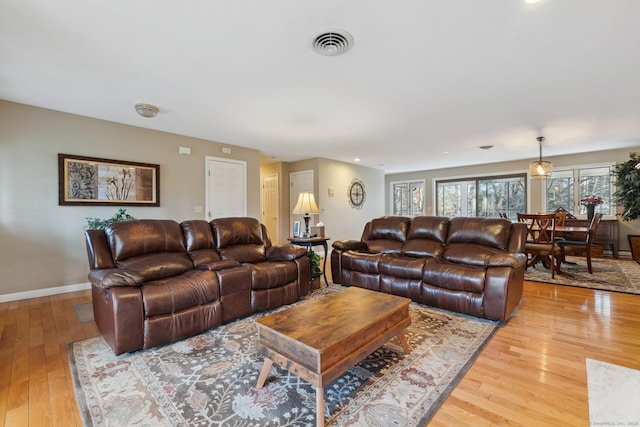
<point>266,367</point>
<point>319,406</point>
<point>403,341</point>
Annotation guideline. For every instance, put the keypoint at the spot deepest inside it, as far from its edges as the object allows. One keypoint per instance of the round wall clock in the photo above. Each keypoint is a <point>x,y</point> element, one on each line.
<point>356,193</point>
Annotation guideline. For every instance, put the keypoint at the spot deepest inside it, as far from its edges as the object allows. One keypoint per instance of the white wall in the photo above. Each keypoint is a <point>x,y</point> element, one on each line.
<point>42,244</point>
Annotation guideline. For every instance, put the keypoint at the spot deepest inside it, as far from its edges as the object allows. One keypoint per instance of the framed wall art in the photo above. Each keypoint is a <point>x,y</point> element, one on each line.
<point>94,181</point>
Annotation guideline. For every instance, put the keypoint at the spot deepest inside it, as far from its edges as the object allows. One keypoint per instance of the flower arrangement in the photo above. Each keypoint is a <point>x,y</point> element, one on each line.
<point>591,200</point>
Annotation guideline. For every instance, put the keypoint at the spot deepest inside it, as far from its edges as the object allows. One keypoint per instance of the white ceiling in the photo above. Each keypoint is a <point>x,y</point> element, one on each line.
<point>423,76</point>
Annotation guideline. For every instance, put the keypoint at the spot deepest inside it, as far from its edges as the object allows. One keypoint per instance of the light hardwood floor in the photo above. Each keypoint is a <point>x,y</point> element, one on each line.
<point>531,373</point>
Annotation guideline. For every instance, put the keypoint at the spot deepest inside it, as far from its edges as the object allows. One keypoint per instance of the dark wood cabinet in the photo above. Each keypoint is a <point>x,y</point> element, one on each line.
<point>606,234</point>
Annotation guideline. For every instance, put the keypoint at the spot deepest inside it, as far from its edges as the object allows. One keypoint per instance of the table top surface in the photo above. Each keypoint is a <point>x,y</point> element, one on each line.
<point>307,239</point>
<point>336,317</point>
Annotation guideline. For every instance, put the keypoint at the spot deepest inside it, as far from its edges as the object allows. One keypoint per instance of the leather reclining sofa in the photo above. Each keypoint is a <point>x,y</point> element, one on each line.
<point>158,281</point>
<point>468,265</point>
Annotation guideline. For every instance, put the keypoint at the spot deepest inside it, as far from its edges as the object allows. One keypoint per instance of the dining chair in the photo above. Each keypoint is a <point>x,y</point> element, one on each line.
<point>561,221</point>
<point>586,244</point>
<point>541,241</point>
<point>503,215</point>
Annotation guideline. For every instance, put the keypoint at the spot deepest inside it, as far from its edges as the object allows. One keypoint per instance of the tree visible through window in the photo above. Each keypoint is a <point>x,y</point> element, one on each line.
<point>485,197</point>
<point>592,181</point>
<point>408,198</point>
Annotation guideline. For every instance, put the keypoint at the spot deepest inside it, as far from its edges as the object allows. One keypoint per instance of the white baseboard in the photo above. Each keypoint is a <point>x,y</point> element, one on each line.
<point>44,292</point>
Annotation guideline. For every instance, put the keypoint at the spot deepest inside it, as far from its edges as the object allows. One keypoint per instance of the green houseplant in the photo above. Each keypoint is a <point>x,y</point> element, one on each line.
<point>314,262</point>
<point>100,224</point>
<point>627,194</point>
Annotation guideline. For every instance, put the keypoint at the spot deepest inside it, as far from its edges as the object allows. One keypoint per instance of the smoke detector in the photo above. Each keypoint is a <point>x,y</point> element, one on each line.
<point>331,42</point>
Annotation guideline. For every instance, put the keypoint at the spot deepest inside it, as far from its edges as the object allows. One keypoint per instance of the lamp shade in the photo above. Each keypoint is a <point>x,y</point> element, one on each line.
<point>306,204</point>
<point>540,169</point>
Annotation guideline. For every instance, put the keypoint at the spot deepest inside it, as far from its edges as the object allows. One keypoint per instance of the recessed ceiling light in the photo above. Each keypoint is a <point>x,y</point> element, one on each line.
<point>531,1</point>
<point>356,159</point>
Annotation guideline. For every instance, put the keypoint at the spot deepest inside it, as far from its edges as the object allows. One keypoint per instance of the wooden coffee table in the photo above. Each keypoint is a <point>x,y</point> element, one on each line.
<point>321,339</point>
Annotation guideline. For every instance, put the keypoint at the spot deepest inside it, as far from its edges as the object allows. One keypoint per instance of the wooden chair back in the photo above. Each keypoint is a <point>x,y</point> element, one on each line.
<point>540,227</point>
<point>561,221</point>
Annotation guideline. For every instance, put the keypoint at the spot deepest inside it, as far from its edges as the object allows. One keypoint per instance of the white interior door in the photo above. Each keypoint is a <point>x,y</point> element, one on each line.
<point>226,187</point>
<point>270,211</point>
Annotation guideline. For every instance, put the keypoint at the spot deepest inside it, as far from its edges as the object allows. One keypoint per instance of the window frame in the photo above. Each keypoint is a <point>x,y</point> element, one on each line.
<point>421,182</point>
<point>481,177</point>
<point>576,187</point>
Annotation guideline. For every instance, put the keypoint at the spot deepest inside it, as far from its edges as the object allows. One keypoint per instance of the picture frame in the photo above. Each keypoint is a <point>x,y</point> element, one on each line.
<point>296,228</point>
<point>93,181</point>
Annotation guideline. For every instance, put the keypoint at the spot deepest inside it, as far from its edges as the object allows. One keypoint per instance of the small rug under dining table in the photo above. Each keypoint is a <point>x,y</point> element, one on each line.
<point>210,379</point>
<point>617,275</point>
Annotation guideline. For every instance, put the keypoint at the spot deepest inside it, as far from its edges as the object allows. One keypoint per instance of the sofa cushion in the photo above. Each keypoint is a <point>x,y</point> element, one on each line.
<point>239,239</point>
<point>457,277</point>
<point>144,236</point>
<point>174,294</point>
<point>199,242</point>
<point>387,234</point>
<point>493,232</point>
<point>158,265</point>
<point>397,265</point>
<point>272,274</point>
<point>363,262</point>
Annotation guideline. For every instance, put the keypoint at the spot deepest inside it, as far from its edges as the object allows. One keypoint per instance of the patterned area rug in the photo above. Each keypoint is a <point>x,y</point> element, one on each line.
<point>209,379</point>
<point>608,275</point>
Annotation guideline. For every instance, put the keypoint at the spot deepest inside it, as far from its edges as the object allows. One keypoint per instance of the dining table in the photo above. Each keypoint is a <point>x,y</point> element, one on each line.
<point>559,229</point>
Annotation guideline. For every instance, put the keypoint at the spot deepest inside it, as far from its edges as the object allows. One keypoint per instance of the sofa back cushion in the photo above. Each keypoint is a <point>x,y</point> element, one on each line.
<point>239,239</point>
<point>152,247</point>
<point>199,241</point>
<point>476,240</point>
<point>426,236</point>
<point>492,232</point>
<point>386,234</point>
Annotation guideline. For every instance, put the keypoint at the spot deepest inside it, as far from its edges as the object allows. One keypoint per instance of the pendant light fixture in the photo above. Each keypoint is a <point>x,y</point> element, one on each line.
<point>540,169</point>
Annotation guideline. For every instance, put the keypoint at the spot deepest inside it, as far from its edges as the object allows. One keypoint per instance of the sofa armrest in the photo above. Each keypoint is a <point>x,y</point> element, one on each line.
<point>111,277</point>
<point>513,260</point>
<point>218,265</point>
<point>350,245</point>
<point>285,252</point>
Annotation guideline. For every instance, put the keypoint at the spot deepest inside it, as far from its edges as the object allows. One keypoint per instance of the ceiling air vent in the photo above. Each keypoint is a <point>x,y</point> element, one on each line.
<point>331,42</point>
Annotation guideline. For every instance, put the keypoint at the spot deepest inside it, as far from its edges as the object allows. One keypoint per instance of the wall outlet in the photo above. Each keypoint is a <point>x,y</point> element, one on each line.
<point>198,209</point>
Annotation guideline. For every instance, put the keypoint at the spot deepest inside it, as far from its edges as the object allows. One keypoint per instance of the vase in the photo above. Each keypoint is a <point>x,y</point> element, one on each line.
<point>590,211</point>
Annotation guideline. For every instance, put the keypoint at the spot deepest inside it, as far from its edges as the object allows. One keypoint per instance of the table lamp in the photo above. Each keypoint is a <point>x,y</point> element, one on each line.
<point>306,205</point>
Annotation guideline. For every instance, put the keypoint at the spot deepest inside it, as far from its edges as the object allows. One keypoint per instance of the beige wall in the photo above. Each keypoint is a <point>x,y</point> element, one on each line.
<point>42,244</point>
<point>340,219</point>
<point>535,187</point>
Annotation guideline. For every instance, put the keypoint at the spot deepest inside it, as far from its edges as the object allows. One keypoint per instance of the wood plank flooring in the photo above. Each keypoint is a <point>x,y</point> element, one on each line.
<point>531,373</point>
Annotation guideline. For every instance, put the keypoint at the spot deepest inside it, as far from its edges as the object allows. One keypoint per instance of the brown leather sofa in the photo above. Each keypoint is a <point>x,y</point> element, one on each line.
<point>468,265</point>
<point>157,281</point>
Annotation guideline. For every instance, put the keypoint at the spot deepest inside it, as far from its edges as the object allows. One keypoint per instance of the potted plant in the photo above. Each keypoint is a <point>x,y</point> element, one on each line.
<point>627,195</point>
<point>101,224</point>
<point>314,263</point>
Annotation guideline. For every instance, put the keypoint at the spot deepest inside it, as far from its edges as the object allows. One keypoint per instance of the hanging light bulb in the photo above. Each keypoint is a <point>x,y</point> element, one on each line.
<point>540,169</point>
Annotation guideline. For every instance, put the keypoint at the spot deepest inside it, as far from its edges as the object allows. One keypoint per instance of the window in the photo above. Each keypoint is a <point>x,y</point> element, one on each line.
<point>486,196</point>
<point>408,198</point>
<point>592,181</point>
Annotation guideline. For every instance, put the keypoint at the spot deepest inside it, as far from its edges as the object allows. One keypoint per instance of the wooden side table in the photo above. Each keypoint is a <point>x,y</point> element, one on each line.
<point>310,242</point>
